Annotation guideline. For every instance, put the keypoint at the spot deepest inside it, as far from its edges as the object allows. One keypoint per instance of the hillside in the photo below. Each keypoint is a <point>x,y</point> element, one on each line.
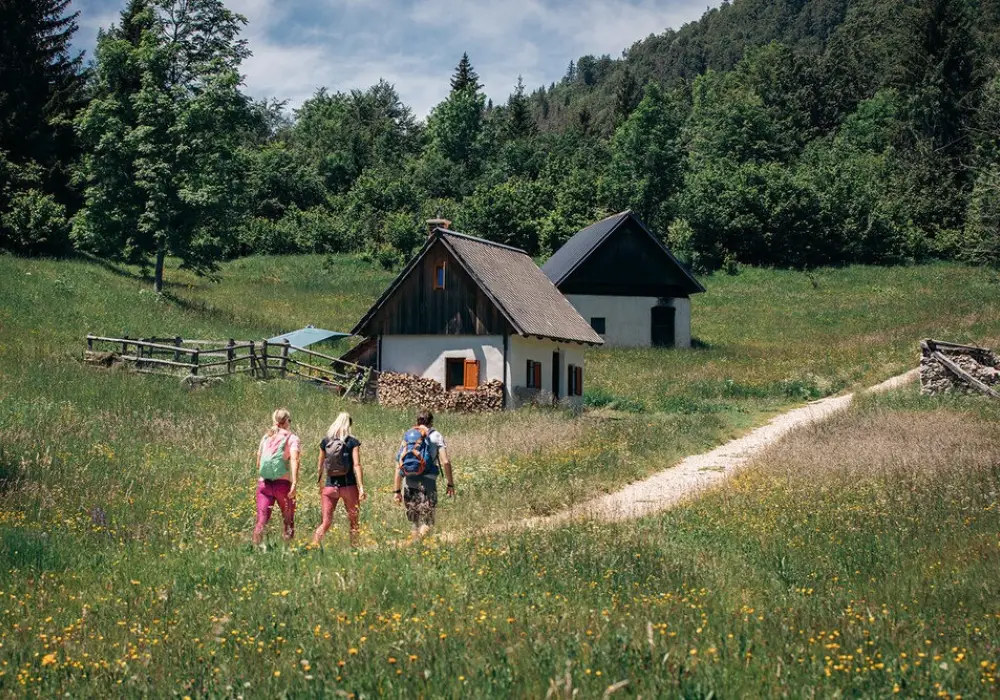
<point>859,35</point>
<point>128,503</point>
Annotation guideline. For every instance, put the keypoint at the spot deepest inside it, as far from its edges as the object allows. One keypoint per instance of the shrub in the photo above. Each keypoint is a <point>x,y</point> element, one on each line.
<point>34,222</point>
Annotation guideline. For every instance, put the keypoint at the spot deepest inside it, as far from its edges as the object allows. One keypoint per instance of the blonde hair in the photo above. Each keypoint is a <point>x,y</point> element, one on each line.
<point>340,428</point>
<point>280,416</point>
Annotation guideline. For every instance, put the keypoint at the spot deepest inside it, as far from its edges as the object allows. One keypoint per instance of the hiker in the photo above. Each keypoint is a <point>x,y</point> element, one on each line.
<point>340,476</point>
<point>419,462</point>
<point>278,471</point>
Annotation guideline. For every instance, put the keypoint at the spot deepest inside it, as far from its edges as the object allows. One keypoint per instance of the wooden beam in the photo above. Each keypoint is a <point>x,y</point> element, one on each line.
<point>965,376</point>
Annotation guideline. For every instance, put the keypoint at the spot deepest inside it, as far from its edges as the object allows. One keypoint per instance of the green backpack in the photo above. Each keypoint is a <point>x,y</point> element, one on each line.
<point>273,463</point>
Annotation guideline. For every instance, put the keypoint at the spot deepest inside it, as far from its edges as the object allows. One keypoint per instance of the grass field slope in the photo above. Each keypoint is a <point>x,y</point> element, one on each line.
<point>857,558</point>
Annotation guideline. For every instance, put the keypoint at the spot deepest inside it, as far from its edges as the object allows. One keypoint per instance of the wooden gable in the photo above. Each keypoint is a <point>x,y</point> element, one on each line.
<point>421,305</point>
<point>628,263</point>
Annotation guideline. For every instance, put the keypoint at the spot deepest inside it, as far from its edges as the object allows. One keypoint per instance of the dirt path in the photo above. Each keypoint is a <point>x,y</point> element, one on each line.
<point>694,474</point>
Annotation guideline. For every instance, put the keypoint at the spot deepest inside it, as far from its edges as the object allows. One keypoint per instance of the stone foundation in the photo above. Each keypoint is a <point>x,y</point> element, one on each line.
<point>936,378</point>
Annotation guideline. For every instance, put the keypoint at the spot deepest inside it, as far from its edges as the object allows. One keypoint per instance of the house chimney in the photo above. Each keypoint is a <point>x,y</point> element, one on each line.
<point>437,223</point>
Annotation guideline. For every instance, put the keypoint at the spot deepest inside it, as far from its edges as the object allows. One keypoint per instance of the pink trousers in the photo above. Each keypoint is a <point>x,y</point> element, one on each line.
<point>268,492</point>
<point>332,494</point>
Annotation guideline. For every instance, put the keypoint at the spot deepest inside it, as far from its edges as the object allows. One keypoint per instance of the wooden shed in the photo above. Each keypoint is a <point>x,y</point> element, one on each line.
<point>626,283</point>
<point>465,311</point>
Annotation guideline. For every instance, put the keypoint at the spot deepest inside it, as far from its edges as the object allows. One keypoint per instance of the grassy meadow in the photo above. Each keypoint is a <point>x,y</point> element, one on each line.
<point>876,531</point>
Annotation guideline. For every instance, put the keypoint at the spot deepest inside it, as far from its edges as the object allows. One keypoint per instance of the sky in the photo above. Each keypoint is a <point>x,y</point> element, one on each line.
<point>301,45</point>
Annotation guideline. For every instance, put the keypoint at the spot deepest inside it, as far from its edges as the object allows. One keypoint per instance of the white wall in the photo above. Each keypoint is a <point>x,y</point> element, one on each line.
<point>628,320</point>
<point>520,350</point>
<point>425,355</point>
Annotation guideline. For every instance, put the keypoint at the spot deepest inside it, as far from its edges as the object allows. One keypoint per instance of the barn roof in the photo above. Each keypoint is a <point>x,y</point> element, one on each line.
<point>513,283</point>
<point>583,243</point>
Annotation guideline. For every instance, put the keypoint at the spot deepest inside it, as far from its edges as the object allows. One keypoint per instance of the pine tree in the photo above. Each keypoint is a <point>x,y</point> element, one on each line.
<point>627,95</point>
<point>465,77</point>
<point>41,90</point>
<point>519,120</point>
<point>941,78</point>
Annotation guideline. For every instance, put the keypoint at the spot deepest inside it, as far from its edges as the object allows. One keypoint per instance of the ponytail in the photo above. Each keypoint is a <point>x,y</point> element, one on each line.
<point>280,416</point>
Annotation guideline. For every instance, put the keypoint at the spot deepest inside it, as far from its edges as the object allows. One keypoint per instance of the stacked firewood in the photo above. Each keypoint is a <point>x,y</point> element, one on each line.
<point>407,390</point>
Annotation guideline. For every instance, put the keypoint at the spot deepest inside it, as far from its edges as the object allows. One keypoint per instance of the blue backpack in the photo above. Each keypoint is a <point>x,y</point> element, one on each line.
<point>414,456</point>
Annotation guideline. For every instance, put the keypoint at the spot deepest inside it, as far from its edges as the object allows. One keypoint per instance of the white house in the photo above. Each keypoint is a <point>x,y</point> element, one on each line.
<point>626,283</point>
<point>465,311</point>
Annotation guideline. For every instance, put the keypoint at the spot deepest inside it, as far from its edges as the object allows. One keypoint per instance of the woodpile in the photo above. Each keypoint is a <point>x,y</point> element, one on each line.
<point>408,391</point>
<point>102,359</point>
<point>947,368</point>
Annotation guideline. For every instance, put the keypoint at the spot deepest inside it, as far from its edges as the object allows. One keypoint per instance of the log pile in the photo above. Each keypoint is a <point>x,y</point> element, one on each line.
<point>102,359</point>
<point>950,368</point>
<point>409,391</point>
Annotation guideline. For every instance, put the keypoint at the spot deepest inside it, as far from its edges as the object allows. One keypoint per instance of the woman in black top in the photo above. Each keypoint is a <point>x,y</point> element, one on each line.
<point>340,476</point>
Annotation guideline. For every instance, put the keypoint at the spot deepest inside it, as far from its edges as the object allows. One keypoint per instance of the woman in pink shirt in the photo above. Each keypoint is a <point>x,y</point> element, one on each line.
<point>278,473</point>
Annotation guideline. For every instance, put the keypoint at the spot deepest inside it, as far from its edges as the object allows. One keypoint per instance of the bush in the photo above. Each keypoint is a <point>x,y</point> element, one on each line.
<point>34,222</point>
<point>600,398</point>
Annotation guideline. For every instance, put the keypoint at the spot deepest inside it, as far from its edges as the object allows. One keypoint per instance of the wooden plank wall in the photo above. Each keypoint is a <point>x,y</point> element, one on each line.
<point>416,308</point>
<point>628,263</point>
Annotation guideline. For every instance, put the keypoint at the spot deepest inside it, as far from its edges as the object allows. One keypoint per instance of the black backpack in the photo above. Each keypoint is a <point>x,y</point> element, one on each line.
<point>337,459</point>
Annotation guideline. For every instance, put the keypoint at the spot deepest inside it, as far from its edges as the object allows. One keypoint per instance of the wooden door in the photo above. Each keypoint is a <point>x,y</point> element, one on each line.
<point>556,370</point>
<point>663,319</point>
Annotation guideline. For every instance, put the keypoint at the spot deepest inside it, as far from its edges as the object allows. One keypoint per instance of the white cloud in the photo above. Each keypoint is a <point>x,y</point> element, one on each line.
<point>301,45</point>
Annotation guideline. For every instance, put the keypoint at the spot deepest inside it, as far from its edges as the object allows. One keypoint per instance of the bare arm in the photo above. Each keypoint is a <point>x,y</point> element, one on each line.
<point>295,473</point>
<point>319,469</point>
<point>359,473</point>
<point>446,465</point>
<point>397,486</point>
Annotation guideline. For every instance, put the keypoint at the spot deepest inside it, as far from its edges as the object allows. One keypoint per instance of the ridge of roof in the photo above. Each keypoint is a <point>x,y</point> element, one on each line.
<point>476,239</point>
<point>584,242</point>
<point>506,281</point>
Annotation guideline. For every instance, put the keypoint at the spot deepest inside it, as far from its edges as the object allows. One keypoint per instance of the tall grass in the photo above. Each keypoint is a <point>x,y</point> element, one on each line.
<point>128,502</point>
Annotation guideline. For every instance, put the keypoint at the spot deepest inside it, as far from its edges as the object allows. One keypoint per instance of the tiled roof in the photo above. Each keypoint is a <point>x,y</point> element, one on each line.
<point>523,293</point>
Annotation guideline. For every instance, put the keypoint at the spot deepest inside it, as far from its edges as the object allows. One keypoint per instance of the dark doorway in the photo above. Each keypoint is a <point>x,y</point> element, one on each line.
<point>556,370</point>
<point>663,318</point>
<point>454,373</point>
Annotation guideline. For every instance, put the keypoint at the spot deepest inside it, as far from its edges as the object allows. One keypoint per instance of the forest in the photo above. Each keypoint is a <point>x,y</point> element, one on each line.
<point>793,134</point>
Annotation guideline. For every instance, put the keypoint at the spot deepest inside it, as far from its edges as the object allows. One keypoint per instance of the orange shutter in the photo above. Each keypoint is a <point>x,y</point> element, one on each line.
<point>471,374</point>
<point>538,375</point>
<point>579,381</point>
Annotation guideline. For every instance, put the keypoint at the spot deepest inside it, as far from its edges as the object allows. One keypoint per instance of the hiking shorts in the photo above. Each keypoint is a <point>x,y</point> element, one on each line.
<point>420,497</point>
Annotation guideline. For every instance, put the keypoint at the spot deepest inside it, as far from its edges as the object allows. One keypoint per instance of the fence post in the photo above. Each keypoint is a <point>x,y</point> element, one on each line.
<point>177,353</point>
<point>263,357</point>
<point>90,342</point>
<point>125,346</point>
<point>230,356</point>
<point>284,358</point>
<point>253,360</point>
<point>194,361</point>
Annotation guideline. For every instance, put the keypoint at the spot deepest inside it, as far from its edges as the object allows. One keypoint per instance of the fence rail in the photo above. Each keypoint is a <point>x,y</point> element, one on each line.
<point>259,359</point>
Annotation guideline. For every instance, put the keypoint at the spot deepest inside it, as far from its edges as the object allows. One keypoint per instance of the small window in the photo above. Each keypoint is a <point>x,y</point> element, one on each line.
<point>574,380</point>
<point>439,276</point>
<point>454,373</point>
<point>534,376</point>
<point>598,323</point>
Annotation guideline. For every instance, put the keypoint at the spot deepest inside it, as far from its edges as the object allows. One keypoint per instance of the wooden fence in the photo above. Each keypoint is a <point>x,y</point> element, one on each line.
<point>220,358</point>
